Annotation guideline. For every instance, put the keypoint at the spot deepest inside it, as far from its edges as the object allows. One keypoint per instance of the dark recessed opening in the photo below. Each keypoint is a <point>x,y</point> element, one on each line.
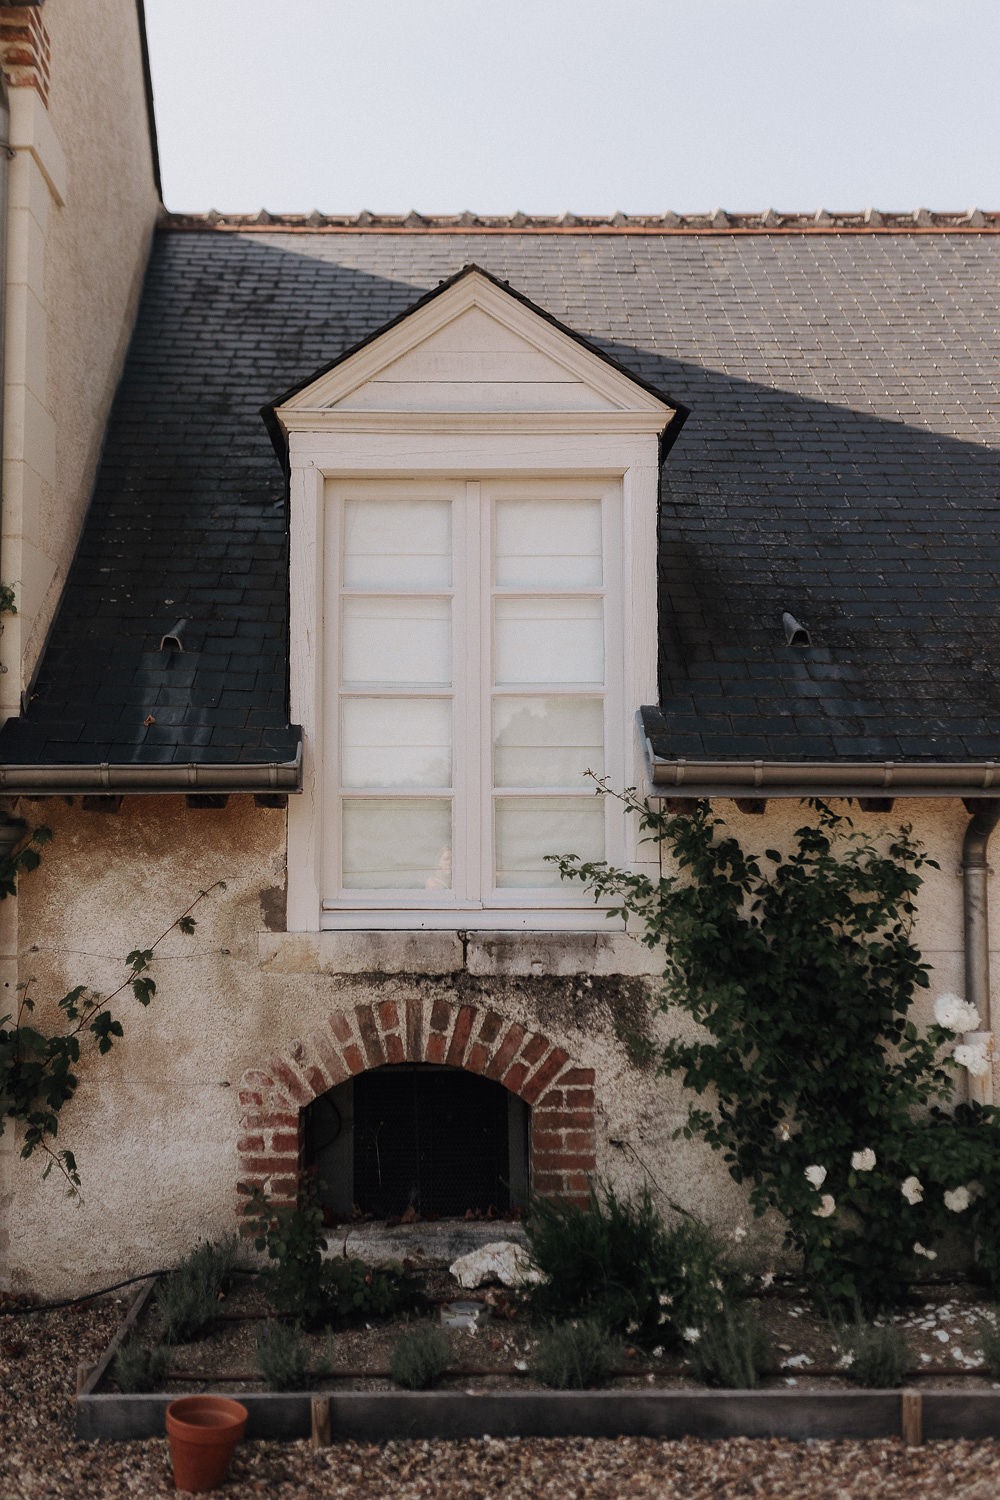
<point>439,1141</point>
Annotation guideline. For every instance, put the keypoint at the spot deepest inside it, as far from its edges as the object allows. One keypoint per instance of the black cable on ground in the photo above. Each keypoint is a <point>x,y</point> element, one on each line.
<point>39,1307</point>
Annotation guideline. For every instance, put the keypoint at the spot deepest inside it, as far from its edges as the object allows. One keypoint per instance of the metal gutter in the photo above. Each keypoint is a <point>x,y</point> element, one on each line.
<point>697,778</point>
<point>150,780</point>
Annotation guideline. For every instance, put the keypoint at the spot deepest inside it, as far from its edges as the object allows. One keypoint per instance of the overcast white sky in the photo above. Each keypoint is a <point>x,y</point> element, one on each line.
<point>588,105</point>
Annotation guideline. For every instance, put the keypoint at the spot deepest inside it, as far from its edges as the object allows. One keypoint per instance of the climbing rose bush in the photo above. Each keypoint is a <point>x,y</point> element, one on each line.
<point>809,1075</point>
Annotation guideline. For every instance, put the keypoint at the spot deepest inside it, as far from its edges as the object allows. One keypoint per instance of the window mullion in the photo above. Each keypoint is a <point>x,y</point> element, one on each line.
<point>487,876</point>
<point>467,705</point>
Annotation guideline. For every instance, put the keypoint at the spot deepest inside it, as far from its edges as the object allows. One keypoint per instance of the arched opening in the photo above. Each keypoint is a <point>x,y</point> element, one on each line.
<point>550,1123</point>
<point>414,1137</point>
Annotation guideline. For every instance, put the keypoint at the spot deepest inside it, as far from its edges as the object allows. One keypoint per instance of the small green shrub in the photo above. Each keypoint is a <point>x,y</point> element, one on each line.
<point>282,1357</point>
<point>311,1288</point>
<point>988,1337</point>
<point>294,1239</point>
<point>187,1306</point>
<point>731,1350</point>
<point>353,1290</point>
<point>419,1359</point>
<point>188,1298</point>
<point>217,1261</point>
<point>613,1260</point>
<point>138,1368</point>
<point>877,1353</point>
<point>576,1356</point>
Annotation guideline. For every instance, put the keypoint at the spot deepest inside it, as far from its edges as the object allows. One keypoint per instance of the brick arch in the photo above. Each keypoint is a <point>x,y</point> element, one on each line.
<point>561,1095</point>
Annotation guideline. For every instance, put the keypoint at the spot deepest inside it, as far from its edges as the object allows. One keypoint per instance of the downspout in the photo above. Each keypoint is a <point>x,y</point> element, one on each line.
<point>11,828</point>
<point>5,156</point>
<point>975,878</point>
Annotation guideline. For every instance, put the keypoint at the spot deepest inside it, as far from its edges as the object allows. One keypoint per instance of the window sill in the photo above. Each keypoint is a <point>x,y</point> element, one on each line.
<point>481,952</point>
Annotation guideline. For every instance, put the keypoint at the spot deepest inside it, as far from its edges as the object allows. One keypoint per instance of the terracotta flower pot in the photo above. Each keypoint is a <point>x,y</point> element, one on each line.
<point>203,1432</point>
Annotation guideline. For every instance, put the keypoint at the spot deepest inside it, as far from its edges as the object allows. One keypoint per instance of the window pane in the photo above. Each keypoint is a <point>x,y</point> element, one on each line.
<point>396,742</point>
<point>547,741</point>
<point>397,544</point>
<point>554,543</point>
<point>397,844</point>
<point>528,828</point>
<point>397,642</point>
<point>549,640</point>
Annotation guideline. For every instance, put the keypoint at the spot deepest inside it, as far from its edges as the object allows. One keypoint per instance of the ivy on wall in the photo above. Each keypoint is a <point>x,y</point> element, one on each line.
<point>809,1075</point>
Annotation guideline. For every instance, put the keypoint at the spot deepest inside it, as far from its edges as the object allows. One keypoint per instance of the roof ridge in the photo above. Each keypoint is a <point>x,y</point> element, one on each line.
<point>718,221</point>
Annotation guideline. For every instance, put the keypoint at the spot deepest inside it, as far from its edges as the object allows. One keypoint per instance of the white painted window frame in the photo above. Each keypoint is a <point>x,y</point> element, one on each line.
<point>620,447</point>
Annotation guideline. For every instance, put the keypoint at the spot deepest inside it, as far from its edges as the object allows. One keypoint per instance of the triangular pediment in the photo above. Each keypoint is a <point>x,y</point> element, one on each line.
<point>473,346</point>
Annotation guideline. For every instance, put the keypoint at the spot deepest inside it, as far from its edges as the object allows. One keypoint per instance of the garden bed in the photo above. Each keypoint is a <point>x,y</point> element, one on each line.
<point>489,1386</point>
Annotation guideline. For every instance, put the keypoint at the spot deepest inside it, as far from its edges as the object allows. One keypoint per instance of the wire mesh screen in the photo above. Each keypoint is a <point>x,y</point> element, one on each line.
<point>435,1140</point>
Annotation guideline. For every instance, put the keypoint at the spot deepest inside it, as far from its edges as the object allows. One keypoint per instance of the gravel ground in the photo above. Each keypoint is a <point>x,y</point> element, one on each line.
<point>39,1456</point>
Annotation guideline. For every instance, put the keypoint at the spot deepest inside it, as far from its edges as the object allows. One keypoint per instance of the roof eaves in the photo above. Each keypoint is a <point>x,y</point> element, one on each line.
<point>685,777</point>
<point>38,780</point>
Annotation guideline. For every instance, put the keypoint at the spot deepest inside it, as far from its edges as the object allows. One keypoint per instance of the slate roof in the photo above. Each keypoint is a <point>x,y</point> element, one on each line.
<point>840,462</point>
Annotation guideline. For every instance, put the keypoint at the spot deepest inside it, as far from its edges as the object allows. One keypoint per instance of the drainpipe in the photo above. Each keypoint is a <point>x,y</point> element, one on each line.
<point>975,877</point>
<point>5,156</point>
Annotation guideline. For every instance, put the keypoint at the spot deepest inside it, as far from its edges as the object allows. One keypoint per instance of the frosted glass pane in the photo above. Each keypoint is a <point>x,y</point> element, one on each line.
<point>397,845</point>
<point>528,828</point>
<point>396,742</point>
<point>397,544</point>
<point>397,642</point>
<point>547,741</point>
<point>550,543</point>
<point>548,640</point>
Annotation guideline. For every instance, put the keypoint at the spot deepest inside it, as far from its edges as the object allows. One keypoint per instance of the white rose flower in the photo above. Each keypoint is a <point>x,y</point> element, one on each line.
<point>816,1176</point>
<point>691,1335</point>
<point>975,1058</point>
<point>827,1204</point>
<point>920,1249</point>
<point>912,1190</point>
<point>784,1134</point>
<point>863,1161</point>
<point>958,1199</point>
<point>955,1014</point>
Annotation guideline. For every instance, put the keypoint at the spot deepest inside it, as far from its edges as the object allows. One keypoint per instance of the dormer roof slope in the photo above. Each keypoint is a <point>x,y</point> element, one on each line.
<point>841,463</point>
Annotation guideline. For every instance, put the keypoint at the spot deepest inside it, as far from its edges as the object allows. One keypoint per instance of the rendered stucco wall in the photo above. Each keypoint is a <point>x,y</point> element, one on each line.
<point>82,206</point>
<point>157,1125</point>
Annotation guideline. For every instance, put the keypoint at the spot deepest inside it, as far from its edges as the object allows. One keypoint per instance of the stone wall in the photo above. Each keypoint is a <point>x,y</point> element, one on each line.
<point>251,1023</point>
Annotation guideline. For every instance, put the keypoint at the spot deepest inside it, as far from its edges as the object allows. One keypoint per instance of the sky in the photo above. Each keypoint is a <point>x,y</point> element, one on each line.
<point>591,106</point>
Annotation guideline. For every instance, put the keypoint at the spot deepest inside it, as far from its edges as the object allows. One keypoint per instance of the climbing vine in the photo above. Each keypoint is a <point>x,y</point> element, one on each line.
<point>38,1067</point>
<point>810,1077</point>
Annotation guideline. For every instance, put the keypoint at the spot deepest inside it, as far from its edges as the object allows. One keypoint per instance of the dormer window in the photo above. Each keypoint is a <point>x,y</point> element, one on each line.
<point>472,632</point>
<point>473,616</point>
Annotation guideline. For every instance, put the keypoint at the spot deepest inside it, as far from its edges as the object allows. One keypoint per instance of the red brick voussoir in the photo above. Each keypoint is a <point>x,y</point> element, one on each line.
<point>561,1095</point>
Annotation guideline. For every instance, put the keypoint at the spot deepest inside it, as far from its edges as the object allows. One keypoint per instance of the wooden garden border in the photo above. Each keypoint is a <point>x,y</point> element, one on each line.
<point>380,1415</point>
<point>377,1416</point>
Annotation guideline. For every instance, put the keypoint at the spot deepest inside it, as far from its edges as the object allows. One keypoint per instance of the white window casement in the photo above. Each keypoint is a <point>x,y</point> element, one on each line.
<point>473,626</point>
